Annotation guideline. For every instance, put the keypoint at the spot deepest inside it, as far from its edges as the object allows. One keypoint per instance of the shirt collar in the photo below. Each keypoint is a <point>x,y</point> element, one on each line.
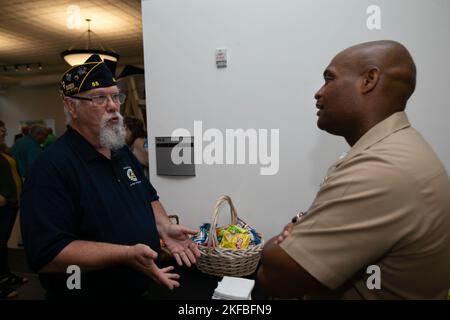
<point>87,150</point>
<point>380,131</point>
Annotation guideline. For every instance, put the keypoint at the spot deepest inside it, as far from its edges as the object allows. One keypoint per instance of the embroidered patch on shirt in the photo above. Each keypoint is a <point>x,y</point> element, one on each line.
<point>132,176</point>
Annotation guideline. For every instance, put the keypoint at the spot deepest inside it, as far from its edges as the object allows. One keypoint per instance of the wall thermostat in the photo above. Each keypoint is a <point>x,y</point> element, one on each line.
<point>221,58</point>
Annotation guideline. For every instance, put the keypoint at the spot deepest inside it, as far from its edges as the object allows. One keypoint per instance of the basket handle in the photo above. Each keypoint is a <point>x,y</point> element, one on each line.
<point>212,237</point>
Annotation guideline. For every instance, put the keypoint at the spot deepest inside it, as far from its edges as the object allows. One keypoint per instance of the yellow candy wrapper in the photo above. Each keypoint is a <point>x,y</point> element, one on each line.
<point>235,240</point>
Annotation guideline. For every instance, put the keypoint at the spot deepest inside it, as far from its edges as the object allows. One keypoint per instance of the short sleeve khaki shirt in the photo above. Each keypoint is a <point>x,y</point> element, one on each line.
<point>386,203</point>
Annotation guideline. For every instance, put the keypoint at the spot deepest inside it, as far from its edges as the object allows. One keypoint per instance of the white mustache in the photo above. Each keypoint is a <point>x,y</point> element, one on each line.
<point>108,117</point>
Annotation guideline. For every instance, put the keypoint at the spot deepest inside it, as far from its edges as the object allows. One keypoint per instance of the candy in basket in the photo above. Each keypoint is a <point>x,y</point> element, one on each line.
<point>232,250</point>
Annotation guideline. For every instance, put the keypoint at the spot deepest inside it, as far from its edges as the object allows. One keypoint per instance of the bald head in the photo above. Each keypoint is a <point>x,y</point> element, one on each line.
<point>397,71</point>
<point>364,85</point>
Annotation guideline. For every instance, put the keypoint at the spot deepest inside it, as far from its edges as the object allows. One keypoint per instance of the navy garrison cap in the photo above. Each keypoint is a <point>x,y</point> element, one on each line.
<point>92,74</point>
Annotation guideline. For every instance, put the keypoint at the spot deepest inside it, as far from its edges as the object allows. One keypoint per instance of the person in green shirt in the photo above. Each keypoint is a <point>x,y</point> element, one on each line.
<point>26,149</point>
<point>50,138</point>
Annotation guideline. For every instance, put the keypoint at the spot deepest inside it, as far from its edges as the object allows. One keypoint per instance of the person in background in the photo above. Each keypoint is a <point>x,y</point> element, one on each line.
<point>10,189</point>
<point>24,131</point>
<point>27,149</point>
<point>87,202</point>
<point>136,140</point>
<point>379,225</point>
<point>50,138</point>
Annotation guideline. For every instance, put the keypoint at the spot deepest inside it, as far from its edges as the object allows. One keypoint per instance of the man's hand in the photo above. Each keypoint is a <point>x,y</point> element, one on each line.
<point>141,258</point>
<point>178,241</point>
<point>285,233</point>
<point>3,201</point>
<point>176,237</point>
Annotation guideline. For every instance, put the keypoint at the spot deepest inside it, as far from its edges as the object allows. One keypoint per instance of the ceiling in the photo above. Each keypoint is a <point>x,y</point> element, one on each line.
<point>37,31</point>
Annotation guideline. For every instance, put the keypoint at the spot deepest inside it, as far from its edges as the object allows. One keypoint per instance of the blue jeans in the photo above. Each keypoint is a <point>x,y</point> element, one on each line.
<point>8,216</point>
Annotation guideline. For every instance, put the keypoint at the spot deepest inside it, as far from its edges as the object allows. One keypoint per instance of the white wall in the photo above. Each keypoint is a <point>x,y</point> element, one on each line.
<point>31,103</point>
<point>278,50</point>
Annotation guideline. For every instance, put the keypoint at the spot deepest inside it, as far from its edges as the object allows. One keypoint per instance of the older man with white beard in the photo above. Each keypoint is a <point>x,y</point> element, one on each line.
<point>87,202</point>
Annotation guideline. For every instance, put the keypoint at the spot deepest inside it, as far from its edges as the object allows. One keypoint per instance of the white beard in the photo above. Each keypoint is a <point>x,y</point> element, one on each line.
<point>112,137</point>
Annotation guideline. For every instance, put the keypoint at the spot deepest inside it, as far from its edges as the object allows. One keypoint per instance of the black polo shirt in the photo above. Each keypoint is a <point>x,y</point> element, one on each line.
<point>75,193</point>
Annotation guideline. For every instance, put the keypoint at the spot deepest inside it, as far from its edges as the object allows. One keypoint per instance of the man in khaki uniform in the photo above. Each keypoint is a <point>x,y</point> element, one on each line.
<point>379,227</point>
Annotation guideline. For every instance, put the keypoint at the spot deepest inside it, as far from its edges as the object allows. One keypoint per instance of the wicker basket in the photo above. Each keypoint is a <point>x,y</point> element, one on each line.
<point>224,261</point>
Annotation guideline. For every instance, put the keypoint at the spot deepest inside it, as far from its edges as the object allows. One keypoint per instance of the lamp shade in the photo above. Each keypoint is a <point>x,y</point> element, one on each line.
<point>79,56</point>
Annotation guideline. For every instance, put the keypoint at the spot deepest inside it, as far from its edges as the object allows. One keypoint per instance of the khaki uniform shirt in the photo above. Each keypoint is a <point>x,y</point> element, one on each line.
<point>386,203</point>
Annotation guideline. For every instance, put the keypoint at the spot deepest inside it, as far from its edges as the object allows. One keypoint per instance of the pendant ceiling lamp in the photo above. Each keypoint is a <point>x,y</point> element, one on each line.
<point>75,56</point>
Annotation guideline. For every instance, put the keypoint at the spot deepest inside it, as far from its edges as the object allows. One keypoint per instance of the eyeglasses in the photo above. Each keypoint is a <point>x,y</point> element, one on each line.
<point>101,100</point>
